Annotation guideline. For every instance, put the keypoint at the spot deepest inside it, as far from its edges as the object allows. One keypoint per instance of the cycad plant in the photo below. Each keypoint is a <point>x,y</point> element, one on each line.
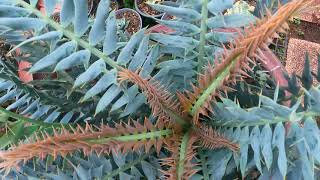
<point>175,86</point>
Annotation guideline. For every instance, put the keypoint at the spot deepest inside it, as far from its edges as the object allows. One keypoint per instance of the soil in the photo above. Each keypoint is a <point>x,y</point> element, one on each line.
<point>113,5</point>
<point>56,17</point>
<point>145,8</point>
<point>168,17</point>
<point>305,30</point>
<point>4,49</point>
<point>90,6</point>
<point>252,2</point>
<point>134,21</point>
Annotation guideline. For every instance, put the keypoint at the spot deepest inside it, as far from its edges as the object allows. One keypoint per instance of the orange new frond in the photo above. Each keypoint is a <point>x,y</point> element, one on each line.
<point>122,138</point>
<point>172,163</point>
<point>163,104</point>
<point>234,62</point>
<point>211,139</point>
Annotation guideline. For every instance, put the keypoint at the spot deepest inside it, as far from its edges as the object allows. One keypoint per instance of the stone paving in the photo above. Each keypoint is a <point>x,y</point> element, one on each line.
<point>296,51</point>
<point>313,15</point>
<point>297,48</point>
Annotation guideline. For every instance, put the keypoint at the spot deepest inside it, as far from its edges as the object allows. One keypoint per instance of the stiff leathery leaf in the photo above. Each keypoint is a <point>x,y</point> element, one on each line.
<point>185,13</point>
<point>61,52</point>
<point>110,40</point>
<point>75,59</point>
<point>126,53</point>
<point>91,73</point>
<point>67,13</point>
<point>98,28</point>
<point>278,141</point>
<point>104,82</point>
<point>80,17</point>
<point>107,98</point>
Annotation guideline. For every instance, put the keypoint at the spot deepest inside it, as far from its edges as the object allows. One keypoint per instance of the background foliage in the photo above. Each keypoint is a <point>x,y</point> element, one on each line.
<point>79,59</point>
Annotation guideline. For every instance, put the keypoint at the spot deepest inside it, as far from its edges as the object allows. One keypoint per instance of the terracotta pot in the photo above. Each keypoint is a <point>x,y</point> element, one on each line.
<point>23,74</point>
<point>41,7</point>
<point>159,28</point>
<point>136,5</point>
<point>124,10</point>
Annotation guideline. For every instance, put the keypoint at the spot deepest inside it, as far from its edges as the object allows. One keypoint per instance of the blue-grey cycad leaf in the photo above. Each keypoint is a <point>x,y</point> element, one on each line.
<point>148,170</point>
<point>276,108</point>
<point>42,110</point>
<point>81,17</point>
<point>9,2</point>
<point>32,2</point>
<point>82,173</point>
<point>97,31</point>
<point>119,158</point>
<point>278,141</point>
<point>67,13</point>
<point>266,138</point>
<point>31,107</point>
<point>218,6</point>
<point>75,59</point>
<point>52,117</point>
<point>4,30</point>
<point>307,162</point>
<point>133,105</point>
<point>104,82</point>
<point>255,144</point>
<point>14,37</point>
<point>107,98</point>
<point>314,99</point>
<point>184,13</point>
<point>23,23</point>
<point>212,50</point>
<point>295,172</point>
<point>272,173</point>
<point>98,172</point>
<point>236,138</point>
<point>184,27</point>
<point>50,6</point>
<point>124,176</point>
<point>244,145</point>
<point>6,85</point>
<point>220,37</point>
<point>126,53</point>
<point>110,40</point>
<point>21,101</point>
<point>217,162</point>
<point>230,21</point>
<point>52,36</point>
<point>58,176</point>
<point>91,73</point>
<point>151,61</point>
<point>66,118</point>
<point>136,173</point>
<point>128,95</point>
<point>175,41</point>
<point>61,52</point>
<point>175,51</point>
<point>12,11</point>
<point>141,54</point>
<point>311,134</point>
<point>176,64</point>
<point>9,95</point>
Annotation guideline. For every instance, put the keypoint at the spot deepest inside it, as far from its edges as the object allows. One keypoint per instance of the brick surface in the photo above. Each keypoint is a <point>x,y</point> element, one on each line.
<point>296,55</point>
<point>313,15</point>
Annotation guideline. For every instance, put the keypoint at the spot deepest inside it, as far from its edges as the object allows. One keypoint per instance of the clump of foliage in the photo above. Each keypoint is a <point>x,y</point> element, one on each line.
<point>128,4</point>
<point>178,87</point>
